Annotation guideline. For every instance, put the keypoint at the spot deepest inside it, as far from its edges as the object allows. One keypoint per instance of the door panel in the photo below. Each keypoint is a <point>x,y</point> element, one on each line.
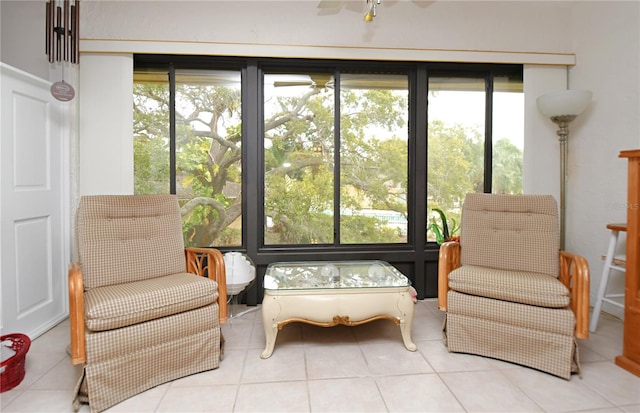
<point>33,244</point>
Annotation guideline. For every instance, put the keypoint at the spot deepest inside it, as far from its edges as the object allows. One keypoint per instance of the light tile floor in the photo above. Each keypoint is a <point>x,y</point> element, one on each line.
<point>348,369</point>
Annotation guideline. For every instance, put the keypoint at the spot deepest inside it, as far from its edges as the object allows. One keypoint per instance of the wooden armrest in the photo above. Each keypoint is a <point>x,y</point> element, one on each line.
<point>448,260</point>
<point>76,314</point>
<point>214,269</point>
<point>574,273</point>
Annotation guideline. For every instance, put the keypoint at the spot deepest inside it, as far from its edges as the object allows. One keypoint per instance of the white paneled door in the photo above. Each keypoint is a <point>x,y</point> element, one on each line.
<point>33,203</point>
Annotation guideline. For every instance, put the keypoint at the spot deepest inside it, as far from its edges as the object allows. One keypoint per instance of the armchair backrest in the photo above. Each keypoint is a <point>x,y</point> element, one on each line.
<point>511,232</point>
<point>125,238</point>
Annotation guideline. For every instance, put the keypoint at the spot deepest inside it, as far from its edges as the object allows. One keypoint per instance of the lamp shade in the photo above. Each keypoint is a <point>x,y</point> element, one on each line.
<point>566,102</point>
<point>240,272</point>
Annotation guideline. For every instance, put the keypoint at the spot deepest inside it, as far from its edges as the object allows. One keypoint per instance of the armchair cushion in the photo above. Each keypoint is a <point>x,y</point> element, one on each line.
<point>539,319</point>
<point>121,305</point>
<point>515,286</point>
<point>128,238</point>
<point>511,232</point>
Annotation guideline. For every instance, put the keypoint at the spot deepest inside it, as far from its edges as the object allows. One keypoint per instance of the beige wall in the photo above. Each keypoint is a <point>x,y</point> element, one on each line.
<point>519,26</point>
<point>22,36</point>
<point>606,39</point>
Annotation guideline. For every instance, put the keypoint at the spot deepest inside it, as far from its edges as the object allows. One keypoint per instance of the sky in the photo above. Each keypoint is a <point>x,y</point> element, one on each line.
<point>467,108</point>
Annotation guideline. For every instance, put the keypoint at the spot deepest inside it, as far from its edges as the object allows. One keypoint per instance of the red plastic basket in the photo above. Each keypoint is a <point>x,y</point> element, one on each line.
<point>12,369</point>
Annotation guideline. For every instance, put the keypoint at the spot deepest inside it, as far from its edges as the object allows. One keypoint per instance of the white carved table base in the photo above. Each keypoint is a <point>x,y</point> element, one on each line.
<point>328,308</point>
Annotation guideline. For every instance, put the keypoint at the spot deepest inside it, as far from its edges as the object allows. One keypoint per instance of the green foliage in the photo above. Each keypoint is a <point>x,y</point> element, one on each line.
<point>151,166</point>
<point>355,229</point>
<point>455,160</point>
<point>299,197</point>
<point>151,138</point>
<point>299,163</point>
<point>441,230</point>
<point>507,168</point>
<point>300,208</point>
<point>456,167</point>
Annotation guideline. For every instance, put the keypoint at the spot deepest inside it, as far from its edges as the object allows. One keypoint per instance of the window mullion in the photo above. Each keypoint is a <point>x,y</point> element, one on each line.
<point>337,215</point>
<point>253,160</point>
<point>172,129</point>
<point>488,133</point>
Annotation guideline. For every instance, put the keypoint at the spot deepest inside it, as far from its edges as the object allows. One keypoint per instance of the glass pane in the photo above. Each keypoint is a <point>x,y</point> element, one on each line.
<point>508,136</point>
<point>208,150</point>
<point>455,157</point>
<point>298,158</point>
<point>209,156</point>
<point>151,133</point>
<point>373,158</point>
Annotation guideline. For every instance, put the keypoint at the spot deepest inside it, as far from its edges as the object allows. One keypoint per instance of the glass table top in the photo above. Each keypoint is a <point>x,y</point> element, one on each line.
<point>332,275</point>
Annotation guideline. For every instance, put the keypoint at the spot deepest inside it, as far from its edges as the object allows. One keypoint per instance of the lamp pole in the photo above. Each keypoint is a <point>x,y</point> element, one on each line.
<point>563,135</point>
<point>562,108</point>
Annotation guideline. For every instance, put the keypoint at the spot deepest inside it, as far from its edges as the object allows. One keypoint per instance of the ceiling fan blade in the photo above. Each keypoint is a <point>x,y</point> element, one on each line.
<point>335,6</point>
<point>422,3</point>
<point>330,4</point>
<point>309,80</point>
<point>285,84</point>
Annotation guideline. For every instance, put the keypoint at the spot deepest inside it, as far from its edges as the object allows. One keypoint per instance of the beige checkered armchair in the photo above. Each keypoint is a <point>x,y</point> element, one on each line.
<point>508,291</point>
<point>143,309</point>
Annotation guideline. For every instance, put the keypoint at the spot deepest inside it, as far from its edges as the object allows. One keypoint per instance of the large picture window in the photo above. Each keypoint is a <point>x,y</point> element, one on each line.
<point>313,158</point>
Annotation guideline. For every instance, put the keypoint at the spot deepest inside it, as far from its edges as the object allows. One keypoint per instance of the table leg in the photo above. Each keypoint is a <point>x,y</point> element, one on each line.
<point>270,310</point>
<point>407,308</point>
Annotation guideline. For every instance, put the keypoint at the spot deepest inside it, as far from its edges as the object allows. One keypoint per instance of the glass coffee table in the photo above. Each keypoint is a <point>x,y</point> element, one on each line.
<point>328,293</point>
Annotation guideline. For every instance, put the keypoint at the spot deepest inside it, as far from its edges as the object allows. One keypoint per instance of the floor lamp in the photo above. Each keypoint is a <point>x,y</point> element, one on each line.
<point>562,108</point>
